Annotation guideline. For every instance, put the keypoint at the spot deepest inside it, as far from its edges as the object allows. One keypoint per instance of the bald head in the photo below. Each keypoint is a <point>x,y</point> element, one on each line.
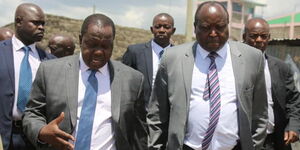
<point>61,45</point>
<point>211,5</point>
<point>5,33</point>
<point>164,16</point>
<point>257,33</point>
<point>29,23</point>
<point>211,25</point>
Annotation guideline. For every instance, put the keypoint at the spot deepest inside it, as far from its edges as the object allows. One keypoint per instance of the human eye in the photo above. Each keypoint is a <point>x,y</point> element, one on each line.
<point>37,23</point>
<point>221,27</point>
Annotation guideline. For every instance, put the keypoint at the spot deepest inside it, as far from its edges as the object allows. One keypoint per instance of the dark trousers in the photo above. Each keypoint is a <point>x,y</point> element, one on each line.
<point>270,144</point>
<point>18,140</point>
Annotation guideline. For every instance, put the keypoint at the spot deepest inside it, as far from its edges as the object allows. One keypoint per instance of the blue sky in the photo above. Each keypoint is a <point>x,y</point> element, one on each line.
<point>132,13</point>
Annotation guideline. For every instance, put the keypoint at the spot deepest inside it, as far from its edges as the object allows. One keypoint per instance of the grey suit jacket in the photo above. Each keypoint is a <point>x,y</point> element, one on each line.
<point>55,90</point>
<point>169,102</point>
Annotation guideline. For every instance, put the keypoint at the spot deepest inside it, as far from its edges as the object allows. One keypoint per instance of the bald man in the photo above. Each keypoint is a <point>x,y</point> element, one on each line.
<point>19,61</point>
<point>145,57</point>
<point>209,94</point>
<point>283,98</point>
<point>6,33</point>
<point>61,45</point>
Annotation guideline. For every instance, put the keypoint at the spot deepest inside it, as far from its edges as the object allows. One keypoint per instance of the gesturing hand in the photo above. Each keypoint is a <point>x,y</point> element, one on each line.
<point>51,134</point>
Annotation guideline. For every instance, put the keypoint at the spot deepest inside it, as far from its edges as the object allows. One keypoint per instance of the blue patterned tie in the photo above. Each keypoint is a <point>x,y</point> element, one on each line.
<point>212,93</point>
<point>25,81</point>
<point>85,125</point>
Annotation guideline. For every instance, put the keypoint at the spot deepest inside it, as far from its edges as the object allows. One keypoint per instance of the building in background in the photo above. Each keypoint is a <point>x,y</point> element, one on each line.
<point>239,12</point>
<point>286,26</point>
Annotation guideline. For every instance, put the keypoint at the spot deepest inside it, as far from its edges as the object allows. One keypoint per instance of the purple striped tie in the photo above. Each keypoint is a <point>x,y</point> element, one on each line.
<point>212,93</point>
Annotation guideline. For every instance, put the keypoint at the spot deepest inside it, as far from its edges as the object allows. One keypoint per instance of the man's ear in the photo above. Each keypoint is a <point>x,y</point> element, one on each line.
<point>244,37</point>
<point>18,21</point>
<point>151,29</point>
<point>80,39</point>
<point>195,26</point>
<point>174,29</point>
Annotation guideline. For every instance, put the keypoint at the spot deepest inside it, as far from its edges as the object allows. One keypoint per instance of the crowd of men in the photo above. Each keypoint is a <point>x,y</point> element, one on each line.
<point>210,94</point>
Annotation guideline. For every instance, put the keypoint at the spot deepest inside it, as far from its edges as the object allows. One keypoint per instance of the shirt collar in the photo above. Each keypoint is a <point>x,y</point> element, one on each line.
<point>157,48</point>
<point>222,52</point>
<point>18,45</point>
<point>84,67</point>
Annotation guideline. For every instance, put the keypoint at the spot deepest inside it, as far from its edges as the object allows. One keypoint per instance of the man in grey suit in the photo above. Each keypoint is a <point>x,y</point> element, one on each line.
<point>283,98</point>
<point>209,94</point>
<point>87,101</point>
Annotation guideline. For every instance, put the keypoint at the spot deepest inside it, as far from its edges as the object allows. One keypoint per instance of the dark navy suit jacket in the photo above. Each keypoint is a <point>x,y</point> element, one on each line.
<point>7,88</point>
<point>286,100</point>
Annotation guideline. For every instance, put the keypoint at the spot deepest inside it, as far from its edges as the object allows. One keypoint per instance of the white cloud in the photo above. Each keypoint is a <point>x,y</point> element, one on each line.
<point>141,17</point>
<point>131,17</point>
<point>71,12</point>
<point>276,8</point>
<point>8,11</point>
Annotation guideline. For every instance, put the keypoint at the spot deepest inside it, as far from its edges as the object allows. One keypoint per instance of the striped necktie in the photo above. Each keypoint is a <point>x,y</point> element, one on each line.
<point>25,81</point>
<point>85,125</point>
<point>212,93</point>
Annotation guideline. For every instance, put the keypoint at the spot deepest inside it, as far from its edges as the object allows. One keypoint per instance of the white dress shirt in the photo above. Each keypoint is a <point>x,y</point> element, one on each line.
<point>34,61</point>
<point>103,133</point>
<point>226,133</point>
<point>271,124</point>
<point>156,49</point>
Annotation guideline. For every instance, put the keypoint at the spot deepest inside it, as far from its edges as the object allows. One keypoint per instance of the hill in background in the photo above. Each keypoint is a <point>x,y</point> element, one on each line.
<point>124,35</point>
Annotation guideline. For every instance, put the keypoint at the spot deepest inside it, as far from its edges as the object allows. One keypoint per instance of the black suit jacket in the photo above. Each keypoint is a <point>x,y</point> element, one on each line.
<point>7,88</point>
<point>139,57</point>
<point>286,101</point>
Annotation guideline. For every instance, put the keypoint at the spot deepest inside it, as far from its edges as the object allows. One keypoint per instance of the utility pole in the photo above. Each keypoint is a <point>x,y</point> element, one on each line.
<point>189,20</point>
<point>94,9</point>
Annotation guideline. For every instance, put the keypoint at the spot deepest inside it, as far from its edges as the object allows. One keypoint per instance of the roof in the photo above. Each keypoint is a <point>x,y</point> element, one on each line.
<point>256,2</point>
<point>292,42</point>
<point>252,2</point>
<point>285,19</point>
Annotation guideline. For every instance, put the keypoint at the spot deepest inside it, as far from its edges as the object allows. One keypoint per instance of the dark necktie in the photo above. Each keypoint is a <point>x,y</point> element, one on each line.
<point>85,125</point>
<point>160,54</point>
<point>212,93</point>
<point>25,81</point>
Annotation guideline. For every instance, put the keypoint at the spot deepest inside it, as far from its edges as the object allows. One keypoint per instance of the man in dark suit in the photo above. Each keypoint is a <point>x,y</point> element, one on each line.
<point>283,98</point>
<point>19,61</point>
<point>88,101</point>
<point>209,94</point>
<point>145,57</point>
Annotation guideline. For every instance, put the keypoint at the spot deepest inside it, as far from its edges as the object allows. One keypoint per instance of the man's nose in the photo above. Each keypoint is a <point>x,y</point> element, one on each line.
<point>213,33</point>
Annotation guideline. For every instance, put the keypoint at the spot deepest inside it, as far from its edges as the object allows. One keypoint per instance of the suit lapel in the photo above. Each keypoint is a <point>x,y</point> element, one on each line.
<point>9,59</point>
<point>238,71</point>
<point>237,66</point>
<point>42,54</point>
<point>274,74</point>
<point>272,65</point>
<point>187,70</point>
<point>149,62</point>
<point>71,82</point>
<point>115,84</point>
